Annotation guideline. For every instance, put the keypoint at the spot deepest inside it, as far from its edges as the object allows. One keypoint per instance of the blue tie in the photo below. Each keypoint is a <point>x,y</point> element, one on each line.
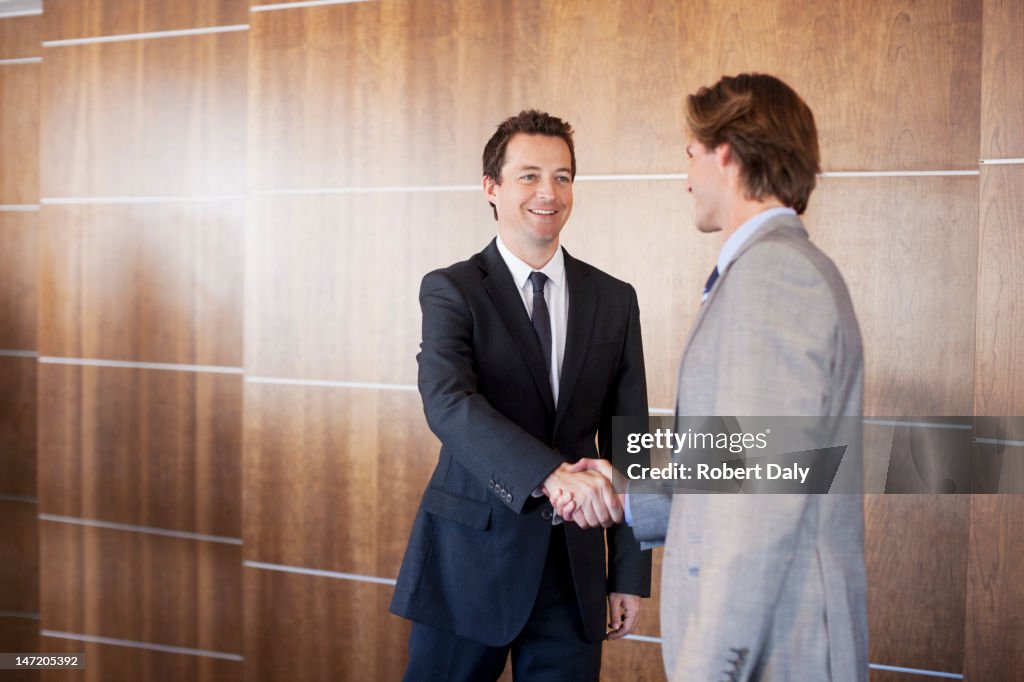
<point>712,278</point>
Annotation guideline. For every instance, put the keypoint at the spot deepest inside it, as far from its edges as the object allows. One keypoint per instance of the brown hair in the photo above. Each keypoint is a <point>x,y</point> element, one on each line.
<point>770,132</point>
<point>528,122</point>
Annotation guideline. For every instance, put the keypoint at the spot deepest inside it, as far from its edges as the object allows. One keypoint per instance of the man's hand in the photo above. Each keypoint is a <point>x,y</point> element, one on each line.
<point>623,614</point>
<point>565,504</point>
<point>585,494</point>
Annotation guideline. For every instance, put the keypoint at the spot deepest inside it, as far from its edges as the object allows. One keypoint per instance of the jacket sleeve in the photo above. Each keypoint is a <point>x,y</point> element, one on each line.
<point>629,567</point>
<point>495,450</point>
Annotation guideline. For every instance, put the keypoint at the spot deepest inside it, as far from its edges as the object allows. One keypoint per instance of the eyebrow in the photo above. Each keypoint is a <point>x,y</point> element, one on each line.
<point>538,168</point>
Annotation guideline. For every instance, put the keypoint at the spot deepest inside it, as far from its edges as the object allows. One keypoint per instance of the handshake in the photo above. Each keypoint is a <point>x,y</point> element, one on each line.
<point>589,493</point>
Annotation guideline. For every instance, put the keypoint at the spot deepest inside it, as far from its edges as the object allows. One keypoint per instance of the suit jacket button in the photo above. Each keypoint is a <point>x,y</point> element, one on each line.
<point>546,514</point>
<point>510,498</point>
<point>490,484</point>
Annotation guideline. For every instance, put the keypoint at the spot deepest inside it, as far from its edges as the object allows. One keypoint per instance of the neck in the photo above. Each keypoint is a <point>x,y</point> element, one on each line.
<point>533,254</point>
<point>743,210</point>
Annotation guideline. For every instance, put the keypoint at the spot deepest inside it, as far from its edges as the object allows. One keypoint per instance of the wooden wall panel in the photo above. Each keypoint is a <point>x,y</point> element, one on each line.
<point>1002,88</point>
<point>632,660</point>
<point>18,426</point>
<point>394,71</point>
<point>995,590</point>
<point>145,447</point>
<point>332,281</point>
<point>20,268</point>
<point>916,548</point>
<point>19,37</point>
<point>19,558</point>
<point>105,662</point>
<point>314,629</point>
<point>321,465</point>
<point>143,282</point>
<point>909,256</point>
<point>999,389</point>
<point>19,133</point>
<point>892,85</point>
<point>141,587</point>
<point>66,19</point>
<point>642,232</point>
<point>19,635</point>
<point>145,117</point>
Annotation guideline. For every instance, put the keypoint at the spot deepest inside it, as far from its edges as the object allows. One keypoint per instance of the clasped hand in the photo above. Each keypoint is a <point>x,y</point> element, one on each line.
<point>588,493</point>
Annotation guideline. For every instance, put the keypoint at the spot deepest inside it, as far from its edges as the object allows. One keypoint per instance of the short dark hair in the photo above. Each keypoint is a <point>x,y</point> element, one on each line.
<point>769,130</point>
<point>528,122</point>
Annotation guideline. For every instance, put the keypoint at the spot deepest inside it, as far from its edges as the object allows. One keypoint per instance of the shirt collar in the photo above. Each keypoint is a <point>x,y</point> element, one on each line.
<point>739,237</point>
<point>554,268</point>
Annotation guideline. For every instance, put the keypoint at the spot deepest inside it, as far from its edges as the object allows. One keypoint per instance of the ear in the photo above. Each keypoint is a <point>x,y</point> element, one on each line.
<point>723,153</point>
<point>489,189</point>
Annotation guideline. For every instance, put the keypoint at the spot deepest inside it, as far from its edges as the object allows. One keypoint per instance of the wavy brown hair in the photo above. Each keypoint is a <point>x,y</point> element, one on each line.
<point>769,130</point>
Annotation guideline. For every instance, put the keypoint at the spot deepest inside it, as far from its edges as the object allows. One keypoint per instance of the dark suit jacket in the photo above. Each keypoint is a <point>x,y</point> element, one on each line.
<point>477,549</point>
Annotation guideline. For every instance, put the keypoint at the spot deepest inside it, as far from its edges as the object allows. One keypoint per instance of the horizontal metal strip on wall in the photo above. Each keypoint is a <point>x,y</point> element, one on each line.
<point>915,671</point>
<point>23,499</point>
<point>93,639</point>
<point>145,530</point>
<point>330,384</point>
<point>868,421</point>
<point>18,354</point>
<point>183,199</point>
<point>996,441</point>
<point>1001,162</point>
<point>302,3</point>
<point>171,367</point>
<point>319,573</point>
<point>146,36</point>
<point>21,60</point>
<point>27,615</point>
<point>24,13</point>
<point>18,208</point>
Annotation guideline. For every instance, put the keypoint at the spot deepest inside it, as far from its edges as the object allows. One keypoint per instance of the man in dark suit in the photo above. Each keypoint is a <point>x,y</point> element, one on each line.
<point>527,354</point>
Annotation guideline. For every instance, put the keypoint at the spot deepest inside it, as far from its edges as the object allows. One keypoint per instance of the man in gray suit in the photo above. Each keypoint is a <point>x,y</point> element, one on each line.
<point>760,586</point>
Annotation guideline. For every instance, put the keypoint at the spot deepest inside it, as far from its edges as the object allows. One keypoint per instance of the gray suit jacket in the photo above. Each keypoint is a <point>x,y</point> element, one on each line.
<point>766,587</point>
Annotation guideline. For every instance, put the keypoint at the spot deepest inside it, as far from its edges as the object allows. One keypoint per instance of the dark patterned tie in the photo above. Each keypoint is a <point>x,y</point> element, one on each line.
<point>710,283</point>
<point>541,320</point>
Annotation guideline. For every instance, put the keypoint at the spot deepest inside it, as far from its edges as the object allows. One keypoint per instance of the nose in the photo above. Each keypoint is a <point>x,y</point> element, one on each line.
<point>546,188</point>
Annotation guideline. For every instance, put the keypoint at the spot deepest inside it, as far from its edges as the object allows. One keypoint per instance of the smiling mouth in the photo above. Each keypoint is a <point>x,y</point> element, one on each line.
<point>541,211</point>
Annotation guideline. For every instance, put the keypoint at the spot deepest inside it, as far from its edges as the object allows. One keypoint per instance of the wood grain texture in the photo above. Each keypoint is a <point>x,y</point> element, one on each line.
<point>908,251</point>
<point>140,446</point>
<point>105,662</point>
<point>19,558</point>
<point>141,587</point>
<point>999,389</point>
<point>66,19</point>
<point>917,552</point>
<point>19,634</point>
<point>19,133</point>
<point>147,283</point>
<point>633,661</point>
<point>332,281</point>
<point>393,72</point>
<point>144,117</point>
<point>995,590</point>
<point>1002,89</point>
<point>321,465</point>
<point>18,426</point>
<point>19,37</point>
<point>19,265</point>
<point>301,627</point>
<point>643,233</point>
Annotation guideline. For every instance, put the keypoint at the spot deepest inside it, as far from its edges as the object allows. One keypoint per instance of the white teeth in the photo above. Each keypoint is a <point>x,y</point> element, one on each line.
<point>541,212</point>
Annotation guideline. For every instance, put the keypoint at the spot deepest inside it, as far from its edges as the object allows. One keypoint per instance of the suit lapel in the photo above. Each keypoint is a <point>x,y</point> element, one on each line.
<point>507,301</point>
<point>580,325</point>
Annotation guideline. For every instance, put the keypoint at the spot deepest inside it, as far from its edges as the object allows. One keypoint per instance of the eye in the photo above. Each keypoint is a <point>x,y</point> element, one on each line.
<point>528,177</point>
<point>564,179</point>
